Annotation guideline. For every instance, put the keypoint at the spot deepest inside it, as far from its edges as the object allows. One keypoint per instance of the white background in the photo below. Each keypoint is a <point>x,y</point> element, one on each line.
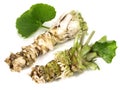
<point>103,16</point>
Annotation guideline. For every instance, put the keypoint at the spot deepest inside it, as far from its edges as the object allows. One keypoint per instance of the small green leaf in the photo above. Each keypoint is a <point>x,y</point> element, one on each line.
<point>32,19</point>
<point>103,39</point>
<point>27,24</point>
<point>43,12</point>
<point>105,50</point>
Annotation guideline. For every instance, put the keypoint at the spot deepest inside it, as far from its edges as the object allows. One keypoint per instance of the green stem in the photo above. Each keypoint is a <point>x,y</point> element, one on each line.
<point>89,38</point>
<point>45,27</point>
<point>82,37</point>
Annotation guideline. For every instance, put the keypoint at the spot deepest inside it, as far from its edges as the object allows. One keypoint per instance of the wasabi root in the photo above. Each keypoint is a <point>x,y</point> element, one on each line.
<point>77,59</point>
<point>65,28</point>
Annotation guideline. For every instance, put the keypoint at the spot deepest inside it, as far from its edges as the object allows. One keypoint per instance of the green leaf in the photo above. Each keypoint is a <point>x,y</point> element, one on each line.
<point>103,39</point>
<point>27,24</point>
<point>105,50</point>
<point>32,19</point>
<point>43,12</point>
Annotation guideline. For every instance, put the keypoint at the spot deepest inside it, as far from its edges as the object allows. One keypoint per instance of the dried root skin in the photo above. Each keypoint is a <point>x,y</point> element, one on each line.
<point>49,72</point>
<point>64,29</point>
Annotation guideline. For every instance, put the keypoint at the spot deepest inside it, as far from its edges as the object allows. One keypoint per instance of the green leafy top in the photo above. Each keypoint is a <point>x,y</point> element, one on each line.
<point>33,18</point>
<point>105,49</point>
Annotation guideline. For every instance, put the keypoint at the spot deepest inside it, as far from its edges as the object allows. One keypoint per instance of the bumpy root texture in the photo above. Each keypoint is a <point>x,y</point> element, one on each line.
<point>65,28</point>
<point>76,59</point>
